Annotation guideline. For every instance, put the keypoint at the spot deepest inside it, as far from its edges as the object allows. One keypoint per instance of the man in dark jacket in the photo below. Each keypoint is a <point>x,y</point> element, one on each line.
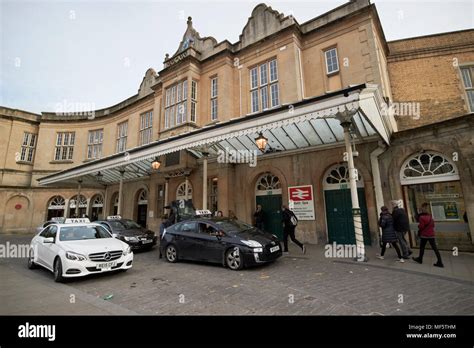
<point>402,226</point>
<point>258,216</point>
<point>388,234</point>
<point>288,219</point>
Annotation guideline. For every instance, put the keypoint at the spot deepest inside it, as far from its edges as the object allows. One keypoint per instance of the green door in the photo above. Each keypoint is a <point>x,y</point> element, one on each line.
<point>339,216</point>
<point>271,206</point>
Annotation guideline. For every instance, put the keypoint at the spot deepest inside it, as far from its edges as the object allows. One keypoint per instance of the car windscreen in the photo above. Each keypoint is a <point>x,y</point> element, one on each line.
<point>234,226</point>
<point>82,233</point>
<point>123,224</point>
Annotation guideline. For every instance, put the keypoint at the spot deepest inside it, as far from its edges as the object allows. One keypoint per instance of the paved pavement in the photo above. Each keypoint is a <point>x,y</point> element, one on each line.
<point>294,285</point>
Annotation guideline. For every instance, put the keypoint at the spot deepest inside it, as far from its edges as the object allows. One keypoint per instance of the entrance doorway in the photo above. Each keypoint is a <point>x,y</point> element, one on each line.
<point>268,194</point>
<point>337,196</point>
<point>97,205</point>
<point>56,207</point>
<point>73,202</point>
<point>142,207</point>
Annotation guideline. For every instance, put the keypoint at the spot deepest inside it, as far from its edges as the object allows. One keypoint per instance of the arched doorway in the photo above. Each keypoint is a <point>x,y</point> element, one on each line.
<point>82,206</point>
<point>181,191</point>
<point>433,178</point>
<point>337,198</point>
<point>142,207</point>
<point>113,210</point>
<point>97,206</point>
<point>56,207</point>
<point>268,193</point>
<point>15,218</point>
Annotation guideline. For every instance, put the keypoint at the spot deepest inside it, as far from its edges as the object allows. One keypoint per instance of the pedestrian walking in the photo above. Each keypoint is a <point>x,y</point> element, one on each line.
<point>258,217</point>
<point>290,221</point>
<point>388,234</point>
<point>402,226</point>
<point>426,232</point>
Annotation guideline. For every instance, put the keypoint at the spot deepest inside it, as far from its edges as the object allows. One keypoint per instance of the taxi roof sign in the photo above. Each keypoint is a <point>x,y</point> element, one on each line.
<point>202,212</point>
<point>114,217</point>
<point>77,221</point>
<point>58,219</point>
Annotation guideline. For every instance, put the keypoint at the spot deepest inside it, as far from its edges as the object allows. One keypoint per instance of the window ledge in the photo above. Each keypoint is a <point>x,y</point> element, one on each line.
<point>90,159</point>
<point>25,163</point>
<point>333,73</point>
<point>61,161</point>
<point>189,123</point>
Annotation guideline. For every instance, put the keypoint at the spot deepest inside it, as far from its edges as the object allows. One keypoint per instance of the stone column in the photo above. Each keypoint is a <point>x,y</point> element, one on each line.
<point>119,208</point>
<point>79,186</point>
<point>353,176</point>
<point>204,181</point>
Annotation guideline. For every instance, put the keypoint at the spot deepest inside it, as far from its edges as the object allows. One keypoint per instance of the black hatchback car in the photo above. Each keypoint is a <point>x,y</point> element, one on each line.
<point>232,243</point>
<point>129,232</point>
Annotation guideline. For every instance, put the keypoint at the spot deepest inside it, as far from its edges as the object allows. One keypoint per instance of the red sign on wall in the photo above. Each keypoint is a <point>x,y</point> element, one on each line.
<point>301,201</point>
<point>301,193</point>
<point>18,206</point>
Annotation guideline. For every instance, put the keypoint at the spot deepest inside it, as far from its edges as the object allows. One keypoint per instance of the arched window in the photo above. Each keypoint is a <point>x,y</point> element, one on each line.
<point>142,197</point>
<point>428,167</point>
<point>337,177</point>
<point>268,184</point>
<point>97,201</point>
<point>97,205</point>
<point>82,202</point>
<point>56,203</point>
<point>181,191</point>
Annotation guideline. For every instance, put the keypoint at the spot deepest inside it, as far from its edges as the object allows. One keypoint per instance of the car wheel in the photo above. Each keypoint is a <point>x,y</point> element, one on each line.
<point>171,253</point>
<point>233,259</point>
<point>31,263</point>
<point>58,271</point>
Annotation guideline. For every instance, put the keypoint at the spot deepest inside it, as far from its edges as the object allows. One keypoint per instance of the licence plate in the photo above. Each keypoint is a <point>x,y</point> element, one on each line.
<point>275,248</point>
<point>106,265</point>
<point>146,241</point>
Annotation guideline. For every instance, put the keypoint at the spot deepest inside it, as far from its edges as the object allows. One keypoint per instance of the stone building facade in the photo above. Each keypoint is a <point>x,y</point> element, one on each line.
<point>278,80</point>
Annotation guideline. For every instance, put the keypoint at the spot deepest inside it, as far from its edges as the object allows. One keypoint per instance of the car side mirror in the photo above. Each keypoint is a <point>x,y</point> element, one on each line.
<point>48,240</point>
<point>115,235</point>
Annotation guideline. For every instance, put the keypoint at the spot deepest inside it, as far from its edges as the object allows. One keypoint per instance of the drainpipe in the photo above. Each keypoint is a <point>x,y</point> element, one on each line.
<point>374,163</point>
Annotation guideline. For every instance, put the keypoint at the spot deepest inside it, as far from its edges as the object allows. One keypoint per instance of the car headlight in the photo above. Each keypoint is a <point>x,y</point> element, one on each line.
<point>258,250</point>
<point>131,239</point>
<point>252,243</point>
<point>127,251</point>
<point>75,256</point>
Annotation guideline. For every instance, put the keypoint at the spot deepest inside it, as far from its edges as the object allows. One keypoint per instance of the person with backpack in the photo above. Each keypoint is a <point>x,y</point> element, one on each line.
<point>426,232</point>
<point>290,221</point>
<point>388,234</point>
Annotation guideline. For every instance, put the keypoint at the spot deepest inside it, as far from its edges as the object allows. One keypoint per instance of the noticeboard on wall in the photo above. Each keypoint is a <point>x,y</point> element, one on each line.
<point>443,211</point>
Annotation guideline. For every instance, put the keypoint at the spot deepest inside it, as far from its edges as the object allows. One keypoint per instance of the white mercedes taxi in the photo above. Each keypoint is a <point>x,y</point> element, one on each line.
<point>78,248</point>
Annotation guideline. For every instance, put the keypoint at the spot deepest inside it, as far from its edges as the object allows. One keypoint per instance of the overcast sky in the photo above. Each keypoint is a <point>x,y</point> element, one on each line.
<point>96,53</point>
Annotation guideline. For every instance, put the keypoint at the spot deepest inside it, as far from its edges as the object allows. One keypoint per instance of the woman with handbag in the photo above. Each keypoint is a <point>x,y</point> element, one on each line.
<point>388,234</point>
<point>426,233</point>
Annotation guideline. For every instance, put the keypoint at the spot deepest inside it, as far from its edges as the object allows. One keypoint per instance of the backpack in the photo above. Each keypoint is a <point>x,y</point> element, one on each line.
<point>293,220</point>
